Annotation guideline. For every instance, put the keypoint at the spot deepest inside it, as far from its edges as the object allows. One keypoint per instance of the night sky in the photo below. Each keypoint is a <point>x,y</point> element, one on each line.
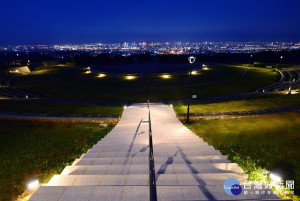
<point>88,21</point>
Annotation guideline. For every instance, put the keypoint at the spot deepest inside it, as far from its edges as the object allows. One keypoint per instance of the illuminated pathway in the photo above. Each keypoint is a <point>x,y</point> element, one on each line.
<point>117,167</point>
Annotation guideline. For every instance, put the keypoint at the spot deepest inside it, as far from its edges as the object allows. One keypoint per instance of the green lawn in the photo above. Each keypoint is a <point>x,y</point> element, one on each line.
<point>40,149</point>
<point>254,79</point>
<point>258,103</point>
<point>269,141</point>
<point>73,83</point>
<point>43,108</point>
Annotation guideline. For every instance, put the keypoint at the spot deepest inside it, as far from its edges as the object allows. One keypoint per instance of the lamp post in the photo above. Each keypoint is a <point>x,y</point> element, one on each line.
<point>191,60</point>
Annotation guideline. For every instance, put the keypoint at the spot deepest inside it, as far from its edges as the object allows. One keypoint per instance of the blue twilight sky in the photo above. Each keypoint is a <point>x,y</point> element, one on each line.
<point>87,21</point>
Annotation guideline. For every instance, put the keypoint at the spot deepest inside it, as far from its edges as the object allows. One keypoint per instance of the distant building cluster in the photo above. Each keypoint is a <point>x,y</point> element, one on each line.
<point>127,48</point>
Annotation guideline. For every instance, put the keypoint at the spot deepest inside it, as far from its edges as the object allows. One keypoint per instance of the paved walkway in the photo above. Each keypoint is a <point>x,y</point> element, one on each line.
<point>117,167</point>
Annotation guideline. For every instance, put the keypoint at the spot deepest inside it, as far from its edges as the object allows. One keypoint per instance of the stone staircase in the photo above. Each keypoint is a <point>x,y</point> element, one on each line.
<point>117,167</point>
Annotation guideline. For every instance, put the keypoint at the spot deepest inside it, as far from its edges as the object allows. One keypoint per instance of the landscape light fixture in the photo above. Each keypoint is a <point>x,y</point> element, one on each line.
<point>101,75</point>
<point>275,177</point>
<point>130,77</point>
<point>32,184</point>
<point>165,76</point>
<point>171,105</point>
<point>125,107</point>
<point>194,72</point>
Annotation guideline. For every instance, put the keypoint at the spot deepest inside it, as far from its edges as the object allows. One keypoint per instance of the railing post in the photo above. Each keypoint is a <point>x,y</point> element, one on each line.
<point>148,104</point>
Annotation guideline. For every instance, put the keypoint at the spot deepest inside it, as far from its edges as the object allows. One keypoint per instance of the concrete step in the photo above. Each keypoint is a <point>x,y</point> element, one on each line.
<point>106,169</point>
<point>98,180</point>
<point>172,141</point>
<point>208,152</point>
<point>156,149</point>
<point>165,145</point>
<point>216,179</point>
<point>145,135</point>
<point>118,154</point>
<point>113,161</point>
<point>91,193</point>
<point>160,169</point>
<point>198,168</point>
<point>203,179</point>
<point>145,153</point>
<point>208,192</point>
<point>145,160</point>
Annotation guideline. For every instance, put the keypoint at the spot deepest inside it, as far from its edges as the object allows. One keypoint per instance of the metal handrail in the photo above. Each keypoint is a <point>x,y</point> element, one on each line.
<point>152,177</point>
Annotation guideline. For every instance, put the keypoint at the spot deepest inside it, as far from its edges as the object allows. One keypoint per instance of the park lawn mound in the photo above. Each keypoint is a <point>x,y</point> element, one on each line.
<point>41,149</point>
<point>270,141</point>
<point>22,106</point>
<point>74,83</point>
<point>257,103</point>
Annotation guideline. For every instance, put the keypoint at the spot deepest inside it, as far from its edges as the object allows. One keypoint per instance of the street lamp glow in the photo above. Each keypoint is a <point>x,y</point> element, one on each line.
<point>88,72</point>
<point>101,75</point>
<point>192,59</point>
<point>275,177</point>
<point>125,107</point>
<point>171,105</point>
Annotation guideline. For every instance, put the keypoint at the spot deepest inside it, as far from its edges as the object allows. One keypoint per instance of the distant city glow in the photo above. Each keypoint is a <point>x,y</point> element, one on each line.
<point>101,75</point>
<point>164,48</point>
<point>166,76</point>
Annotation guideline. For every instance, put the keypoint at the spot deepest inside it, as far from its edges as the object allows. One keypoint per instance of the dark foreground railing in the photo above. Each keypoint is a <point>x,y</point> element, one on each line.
<point>152,178</point>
